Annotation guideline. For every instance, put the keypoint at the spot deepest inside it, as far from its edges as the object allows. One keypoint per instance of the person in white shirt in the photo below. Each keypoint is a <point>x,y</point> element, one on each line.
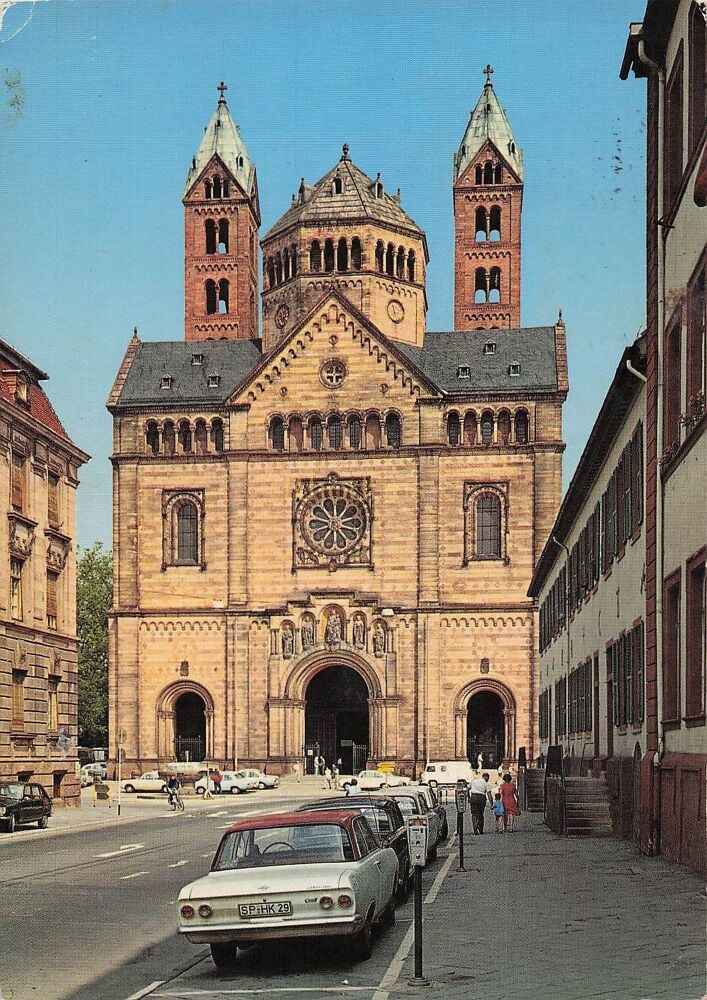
<point>479,795</point>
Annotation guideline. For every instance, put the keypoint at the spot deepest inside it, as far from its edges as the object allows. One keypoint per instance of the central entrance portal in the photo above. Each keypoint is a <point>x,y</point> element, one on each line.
<point>189,727</point>
<point>485,729</point>
<point>336,718</point>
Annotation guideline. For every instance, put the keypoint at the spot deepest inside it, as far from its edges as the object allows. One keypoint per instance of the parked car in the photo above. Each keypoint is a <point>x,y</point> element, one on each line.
<point>288,876</point>
<point>230,782</point>
<point>97,771</point>
<point>369,781</point>
<point>412,802</point>
<point>22,802</point>
<point>263,780</point>
<point>436,806</point>
<point>387,822</point>
<point>150,781</point>
<point>446,772</point>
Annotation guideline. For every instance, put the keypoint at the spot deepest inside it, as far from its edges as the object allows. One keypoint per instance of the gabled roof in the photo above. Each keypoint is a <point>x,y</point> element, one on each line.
<point>443,355</point>
<point>357,201</point>
<point>488,121</point>
<point>222,138</point>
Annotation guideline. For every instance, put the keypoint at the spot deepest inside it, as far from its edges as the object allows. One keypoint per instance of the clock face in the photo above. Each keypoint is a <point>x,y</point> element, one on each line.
<point>282,314</point>
<point>395,310</point>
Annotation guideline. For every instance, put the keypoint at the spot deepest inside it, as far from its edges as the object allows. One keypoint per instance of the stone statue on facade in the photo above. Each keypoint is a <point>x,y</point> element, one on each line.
<point>333,628</point>
<point>288,643</point>
<point>307,633</point>
<point>379,640</point>
<point>359,633</point>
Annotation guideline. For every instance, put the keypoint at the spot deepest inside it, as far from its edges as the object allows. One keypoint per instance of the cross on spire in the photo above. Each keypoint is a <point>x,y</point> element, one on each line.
<point>222,88</point>
<point>488,71</point>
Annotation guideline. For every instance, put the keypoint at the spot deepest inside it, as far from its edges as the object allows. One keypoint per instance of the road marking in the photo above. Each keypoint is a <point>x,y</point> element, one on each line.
<point>178,864</point>
<point>124,878</point>
<point>263,991</point>
<point>148,989</point>
<point>224,812</point>
<point>395,968</point>
<point>124,849</point>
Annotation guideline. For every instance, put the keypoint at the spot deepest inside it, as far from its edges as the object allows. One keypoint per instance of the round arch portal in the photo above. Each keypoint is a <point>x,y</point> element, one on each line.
<point>337,718</point>
<point>485,722</point>
<point>185,723</point>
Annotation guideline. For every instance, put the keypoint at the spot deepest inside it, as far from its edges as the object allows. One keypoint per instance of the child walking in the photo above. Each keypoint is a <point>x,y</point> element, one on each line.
<point>498,809</point>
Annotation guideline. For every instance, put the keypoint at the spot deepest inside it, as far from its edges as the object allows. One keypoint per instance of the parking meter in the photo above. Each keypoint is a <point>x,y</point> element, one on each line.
<point>460,797</point>
<point>417,840</point>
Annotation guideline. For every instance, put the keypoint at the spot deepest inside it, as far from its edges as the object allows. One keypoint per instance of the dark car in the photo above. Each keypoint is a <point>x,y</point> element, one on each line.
<point>387,822</point>
<point>22,802</point>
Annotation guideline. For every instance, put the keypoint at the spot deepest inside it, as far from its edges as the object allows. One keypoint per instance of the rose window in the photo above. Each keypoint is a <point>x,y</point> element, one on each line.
<point>334,524</point>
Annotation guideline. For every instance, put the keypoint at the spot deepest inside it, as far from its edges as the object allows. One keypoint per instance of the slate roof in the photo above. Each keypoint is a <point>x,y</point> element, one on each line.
<point>222,137</point>
<point>318,203</point>
<point>443,354</point>
<point>488,121</point>
<point>231,359</point>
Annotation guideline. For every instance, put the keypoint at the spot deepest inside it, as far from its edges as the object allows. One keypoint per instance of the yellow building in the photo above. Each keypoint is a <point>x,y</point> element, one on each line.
<point>324,540</point>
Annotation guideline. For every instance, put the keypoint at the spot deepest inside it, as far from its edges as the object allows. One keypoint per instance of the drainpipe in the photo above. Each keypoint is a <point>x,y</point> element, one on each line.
<point>659,73</point>
<point>635,371</point>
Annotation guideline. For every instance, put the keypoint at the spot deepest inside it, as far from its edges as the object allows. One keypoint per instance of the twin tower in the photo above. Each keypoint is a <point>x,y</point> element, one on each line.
<point>347,231</point>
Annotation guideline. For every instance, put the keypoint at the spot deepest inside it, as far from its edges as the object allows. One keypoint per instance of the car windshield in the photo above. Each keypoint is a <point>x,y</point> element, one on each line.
<point>12,790</point>
<point>284,845</point>
<point>408,805</point>
<point>377,817</point>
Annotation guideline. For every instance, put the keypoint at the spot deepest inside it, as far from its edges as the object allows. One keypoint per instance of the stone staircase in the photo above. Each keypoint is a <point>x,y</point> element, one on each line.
<point>587,812</point>
<point>534,789</point>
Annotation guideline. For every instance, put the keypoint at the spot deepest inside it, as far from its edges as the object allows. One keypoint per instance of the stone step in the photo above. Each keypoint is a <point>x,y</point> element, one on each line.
<point>586,831</point>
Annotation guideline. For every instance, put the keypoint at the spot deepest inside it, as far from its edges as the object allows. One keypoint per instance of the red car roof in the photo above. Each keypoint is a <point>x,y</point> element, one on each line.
<point>342,817</point>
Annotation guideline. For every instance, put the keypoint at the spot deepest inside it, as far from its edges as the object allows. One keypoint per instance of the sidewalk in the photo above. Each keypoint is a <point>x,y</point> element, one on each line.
<point>541,917</point>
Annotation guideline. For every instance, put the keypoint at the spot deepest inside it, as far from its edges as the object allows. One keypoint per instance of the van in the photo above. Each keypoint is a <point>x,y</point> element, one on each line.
<point>446,772</point>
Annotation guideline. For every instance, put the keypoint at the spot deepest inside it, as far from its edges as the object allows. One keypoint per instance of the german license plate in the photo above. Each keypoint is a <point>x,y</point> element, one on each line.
<point>265,909</point>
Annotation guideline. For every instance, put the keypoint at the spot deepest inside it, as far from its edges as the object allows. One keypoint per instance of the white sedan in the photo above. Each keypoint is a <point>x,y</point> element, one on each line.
<point>263,780</point>
<point>369,781</point>
<point>230,782</point>
<point>150,781</point>
<point>289,876</point>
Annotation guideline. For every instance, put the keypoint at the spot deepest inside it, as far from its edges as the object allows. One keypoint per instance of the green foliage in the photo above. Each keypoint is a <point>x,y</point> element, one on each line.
<point>94,596</point>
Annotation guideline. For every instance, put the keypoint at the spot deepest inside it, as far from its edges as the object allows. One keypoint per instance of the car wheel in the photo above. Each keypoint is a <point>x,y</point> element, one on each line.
<point>199,791</point>
<point>261,785</point>
<point>432,784</point>
<point>346,785</point>
<point>388,917</point>
<point>129,788</point>
<point>42,822</point>
<point>361,943</point>
<point>223,953</point>
<point>163,788</point>
<point>11,823</point>
<point>235,789</point>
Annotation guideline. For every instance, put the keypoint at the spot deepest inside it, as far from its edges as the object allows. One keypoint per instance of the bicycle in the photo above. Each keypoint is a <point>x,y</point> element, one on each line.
<point>175,802</point>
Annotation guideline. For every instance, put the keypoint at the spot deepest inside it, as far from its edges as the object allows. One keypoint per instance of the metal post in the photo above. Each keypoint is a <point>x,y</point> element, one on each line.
<point>418,922</point>
<point>460,838</point>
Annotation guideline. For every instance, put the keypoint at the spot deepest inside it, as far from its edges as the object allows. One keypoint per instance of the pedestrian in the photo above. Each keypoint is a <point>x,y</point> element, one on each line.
<point>319,764</point>
<point>217,778</point>
<point>327,777</point>
<point>499,812</point>
<point>352,787</point>
<point>509,797</point>
<point>335,776</point>
<point>339,763</point>
<point>479,794</point>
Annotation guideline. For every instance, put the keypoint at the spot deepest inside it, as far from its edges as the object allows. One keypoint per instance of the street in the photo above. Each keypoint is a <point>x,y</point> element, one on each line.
<point>90,914</point>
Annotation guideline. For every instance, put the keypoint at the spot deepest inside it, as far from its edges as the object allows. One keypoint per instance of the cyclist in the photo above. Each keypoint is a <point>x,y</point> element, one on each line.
<point>173,786</point>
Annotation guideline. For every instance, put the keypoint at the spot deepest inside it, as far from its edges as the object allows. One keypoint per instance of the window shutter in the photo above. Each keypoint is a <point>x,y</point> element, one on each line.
<point>18,481</point>
<point>52,580</point>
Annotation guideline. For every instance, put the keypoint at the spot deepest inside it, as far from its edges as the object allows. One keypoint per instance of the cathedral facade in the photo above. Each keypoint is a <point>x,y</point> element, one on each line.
<point>324,532</point>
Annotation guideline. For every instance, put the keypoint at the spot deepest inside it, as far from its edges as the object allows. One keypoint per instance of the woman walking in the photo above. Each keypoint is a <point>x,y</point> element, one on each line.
<point>509,797</point>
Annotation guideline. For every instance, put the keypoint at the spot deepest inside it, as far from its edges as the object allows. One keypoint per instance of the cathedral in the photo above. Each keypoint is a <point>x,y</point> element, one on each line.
<point>325,524</point>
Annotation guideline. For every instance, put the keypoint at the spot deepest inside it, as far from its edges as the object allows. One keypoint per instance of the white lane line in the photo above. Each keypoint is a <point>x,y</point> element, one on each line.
<point>124,878</point>
<point>147,990</point>
<point>124,849</point>
<point>223,813</point>
<point>265,991</point>
<point>178,864</point>
<point>393,971</point>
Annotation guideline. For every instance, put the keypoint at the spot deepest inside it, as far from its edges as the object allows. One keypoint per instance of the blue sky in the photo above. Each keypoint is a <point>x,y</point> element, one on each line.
<point>103,105</point>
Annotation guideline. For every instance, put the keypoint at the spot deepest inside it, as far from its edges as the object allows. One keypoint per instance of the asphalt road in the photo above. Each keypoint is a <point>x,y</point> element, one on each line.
<point>91,915</point>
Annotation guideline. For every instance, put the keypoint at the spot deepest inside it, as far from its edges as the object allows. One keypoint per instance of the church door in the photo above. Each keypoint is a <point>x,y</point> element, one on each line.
<point>485,729</point>
<point>336,715</point>
<point>189,727</point>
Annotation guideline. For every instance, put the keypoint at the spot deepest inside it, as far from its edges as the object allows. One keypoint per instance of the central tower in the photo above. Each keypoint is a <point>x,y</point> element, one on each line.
<point>488,198</point>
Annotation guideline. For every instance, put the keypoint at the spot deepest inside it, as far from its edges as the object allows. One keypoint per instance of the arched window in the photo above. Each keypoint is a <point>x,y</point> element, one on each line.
<point>380,255</point>
<point>211,305</point>
<point>335,431</point>
<point>373,431</point>
<point>271,272</point>
<point>480,287</point>
<point>488,527</point>
<point>277,434</point>
<point>453,428</point>
<point>223,236</point>
<point>328,255</point>
<point>354,431</point>
<point>286,264</point>
<point>504,427</point>
<point>470,427</point>
<point>480,225</point>
<point>278,269</point>
<point>152,437</point>
<point>296,434</point>
<point>338,185</point>
<point>487,427</point>
<point>498,173</point>
<point>315,256</point>
<point>217,187</point>
<point>168,437</point>
<point>488,172</point>
<point>521,427</point>
<point>315,433</point>
<point>411,265</point>
<point>184,436</point>
<point>225,183</point>
<point>342,255</point>
<point>217,434</point>
<point>200,437</point>
<point>293,261</point>
<point>400,264</point>
<point>390,260</point>
<point>187,534</point>
<point>356,254</point>
<point>210,233</point>
<point>207,189</point>
<point>223,296</point>
<point>495,224</point>
<point>393,430</point>
<point>495,285</point>
<point>479,174</point>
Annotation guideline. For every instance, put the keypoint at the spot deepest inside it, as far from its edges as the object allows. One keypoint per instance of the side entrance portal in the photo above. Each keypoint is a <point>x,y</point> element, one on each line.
<point>189,727</point>
<point>336,718</point>
<point>485,728</point>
